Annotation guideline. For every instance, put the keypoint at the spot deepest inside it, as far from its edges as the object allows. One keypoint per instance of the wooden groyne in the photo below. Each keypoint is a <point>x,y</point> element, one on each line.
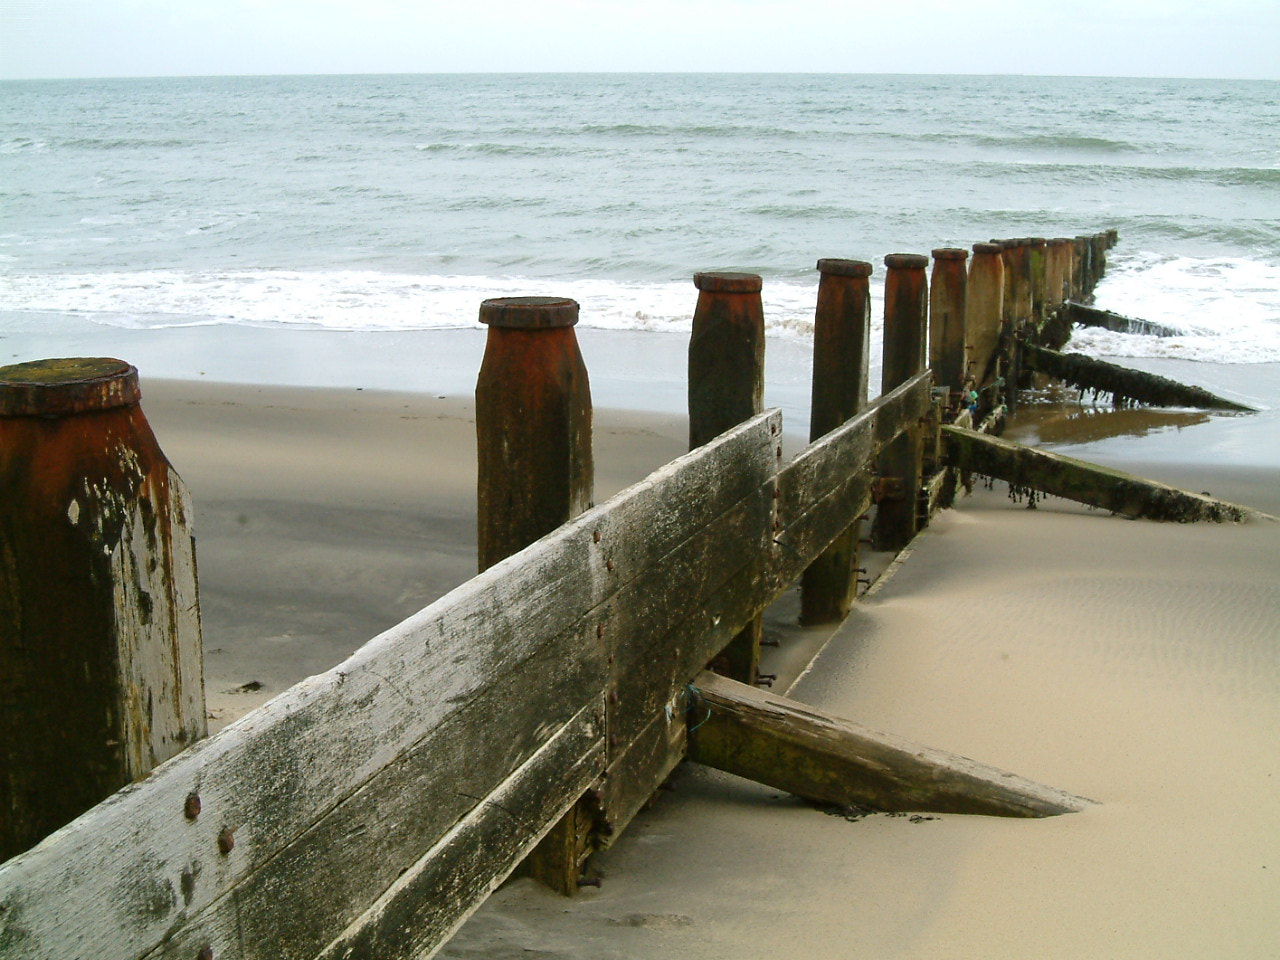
<point>525,717</point>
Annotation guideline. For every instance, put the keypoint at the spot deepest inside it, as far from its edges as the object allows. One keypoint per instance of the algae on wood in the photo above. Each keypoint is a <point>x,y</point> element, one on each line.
<point>1121,382</point>
<point>1087,483</point>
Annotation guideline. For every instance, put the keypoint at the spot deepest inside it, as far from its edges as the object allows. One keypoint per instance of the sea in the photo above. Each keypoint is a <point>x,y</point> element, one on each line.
<point>137,212</point>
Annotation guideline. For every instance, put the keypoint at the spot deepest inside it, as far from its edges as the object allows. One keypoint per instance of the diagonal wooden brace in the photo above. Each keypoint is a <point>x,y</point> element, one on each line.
<point>799,749</point>
<point>1083,482</point>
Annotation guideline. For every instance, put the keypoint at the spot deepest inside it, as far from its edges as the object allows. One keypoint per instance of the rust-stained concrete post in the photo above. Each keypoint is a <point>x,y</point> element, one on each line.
<point>948,291</point>
<point>101,668</point>
<point>841,356</point>
<point>726,386</point>
<point>906,299</point>
<point>726,354</point>
<point>984,306</point>
<point>533,424</point>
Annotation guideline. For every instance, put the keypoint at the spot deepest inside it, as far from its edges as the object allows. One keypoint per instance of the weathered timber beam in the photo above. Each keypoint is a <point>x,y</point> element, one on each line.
<point>797,748</point>
<point>1125,384</point>
<point>1081,481</point>
<point>1088,316</point>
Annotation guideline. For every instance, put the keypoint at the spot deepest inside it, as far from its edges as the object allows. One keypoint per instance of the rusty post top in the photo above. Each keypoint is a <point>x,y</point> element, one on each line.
<point>1059,241</point>
<point>950,253</point>
<point>62,387</point>
<point>845,268</point>
<point>987,248</point>
<point>728,282</point>
<point>1036,241</point>
<point>529,313</point>
<point>906,261</point>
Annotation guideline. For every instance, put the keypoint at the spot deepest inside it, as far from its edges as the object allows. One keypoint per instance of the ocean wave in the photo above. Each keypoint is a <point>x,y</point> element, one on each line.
<point>1227,308</point>
<point>123,143</point>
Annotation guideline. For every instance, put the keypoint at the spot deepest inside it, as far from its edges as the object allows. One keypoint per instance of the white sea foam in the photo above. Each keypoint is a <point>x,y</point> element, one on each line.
<point>1227,309</point>
<point>366,300</point>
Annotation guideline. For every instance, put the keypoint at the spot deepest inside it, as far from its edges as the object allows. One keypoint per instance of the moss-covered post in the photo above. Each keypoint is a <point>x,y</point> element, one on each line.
<point>906,304</point>
<point>101,668</point>
<point>535,472</point>
<point>984,305</point>
<point>948,336</point>
<point>726,386</point>
<point>841,356</point>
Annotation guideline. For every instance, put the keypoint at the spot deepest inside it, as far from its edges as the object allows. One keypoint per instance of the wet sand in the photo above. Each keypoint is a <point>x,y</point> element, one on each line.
<point>1134,663</point>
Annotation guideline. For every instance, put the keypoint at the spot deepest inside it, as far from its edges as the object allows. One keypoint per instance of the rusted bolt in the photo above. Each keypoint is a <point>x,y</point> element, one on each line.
<point>592,882</point>
<point>777,493</point>
<point>609,565</point>
<point>778,452</point>
<point>613,696</point>
<point>599,631</point>
<point>769,643</point>
<point>613,739</point>
<point>226,841</point>
<point>765,679</point>
<point>596,536</point>
<point>191,808</point>
<point>206,953</point>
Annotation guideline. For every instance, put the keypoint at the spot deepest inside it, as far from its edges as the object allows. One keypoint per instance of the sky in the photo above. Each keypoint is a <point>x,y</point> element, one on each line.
<point>130,38</point>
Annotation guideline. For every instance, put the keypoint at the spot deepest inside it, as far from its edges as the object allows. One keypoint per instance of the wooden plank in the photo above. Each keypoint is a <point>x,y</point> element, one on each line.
<point>1122,383</point>
<point>632,778</point>
<point>138,870</point>
<point>358,849</point>
<point>1088,483</point>
<point>799,749</point>
<point>419,913</point>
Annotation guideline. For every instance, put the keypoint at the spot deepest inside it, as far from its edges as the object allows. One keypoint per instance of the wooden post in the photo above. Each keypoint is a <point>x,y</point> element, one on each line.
<point>1058,284</point>
<point>1098,253</point>
<point>533,424</point>
<point>906,298</point>
<point>726,386</point>
<point>533,432</point>
<point>948,290</point>
<point>1084,255</point>
<point>1037,279</point>
<point>101,668</point>
<point>1008,304</point>
<point>726,354</point>
<point>841,354</point>
<point>984,304</point>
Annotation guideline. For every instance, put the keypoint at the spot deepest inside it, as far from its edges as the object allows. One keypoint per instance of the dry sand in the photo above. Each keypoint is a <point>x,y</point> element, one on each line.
<point>1135,663</point>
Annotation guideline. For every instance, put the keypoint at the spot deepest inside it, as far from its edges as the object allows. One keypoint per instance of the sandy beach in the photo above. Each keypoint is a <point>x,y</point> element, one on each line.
<point>1134,663</point>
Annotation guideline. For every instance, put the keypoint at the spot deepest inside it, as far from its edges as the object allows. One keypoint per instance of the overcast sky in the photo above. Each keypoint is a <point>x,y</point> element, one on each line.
<point>1153,38</point>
